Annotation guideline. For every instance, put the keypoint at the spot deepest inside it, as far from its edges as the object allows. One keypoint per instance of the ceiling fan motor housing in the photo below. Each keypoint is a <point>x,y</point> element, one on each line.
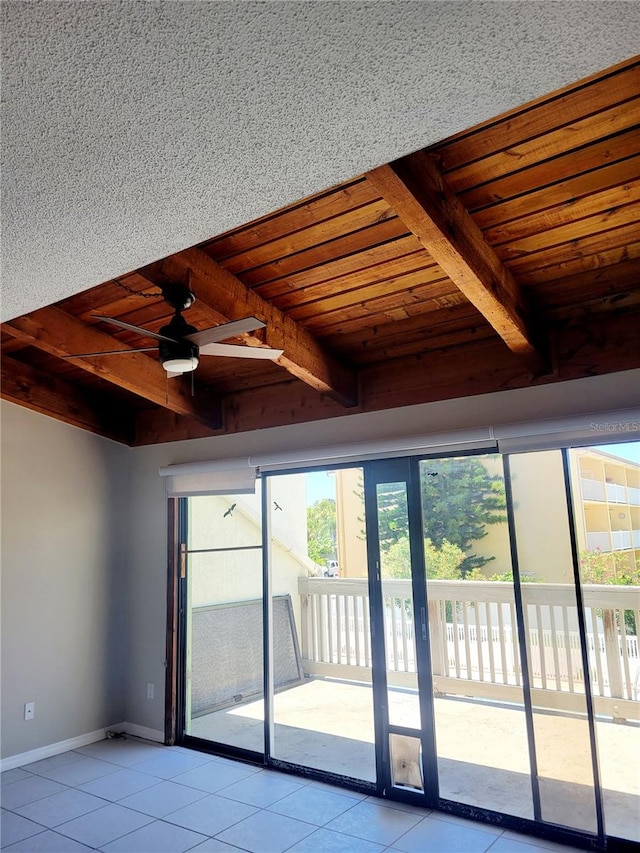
<point>176,354</point>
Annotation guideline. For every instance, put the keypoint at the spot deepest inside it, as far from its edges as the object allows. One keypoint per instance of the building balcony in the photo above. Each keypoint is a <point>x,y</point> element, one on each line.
<point>616,540</point>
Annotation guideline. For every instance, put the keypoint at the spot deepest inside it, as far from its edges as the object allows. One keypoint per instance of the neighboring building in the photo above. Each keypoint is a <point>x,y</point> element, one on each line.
<point>606,492</point>
<point>352,547</point>
<point>608,502</point>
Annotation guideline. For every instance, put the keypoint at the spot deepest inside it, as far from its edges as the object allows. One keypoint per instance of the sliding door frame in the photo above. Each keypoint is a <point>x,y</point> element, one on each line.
<point>405,470</point>
<point>326,776</point>
<point>180,571</point>
<point>176,655</point>
<point>173,675</point>
<point>582,630</point>
<point>523,642</point>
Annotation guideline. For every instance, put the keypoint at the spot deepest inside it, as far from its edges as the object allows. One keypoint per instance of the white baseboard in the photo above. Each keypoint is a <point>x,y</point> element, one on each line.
<point>51,749</point>
<point>12,761</point>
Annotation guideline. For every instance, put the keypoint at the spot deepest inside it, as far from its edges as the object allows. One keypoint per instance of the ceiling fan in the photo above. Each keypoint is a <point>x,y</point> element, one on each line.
<point>180,345</point>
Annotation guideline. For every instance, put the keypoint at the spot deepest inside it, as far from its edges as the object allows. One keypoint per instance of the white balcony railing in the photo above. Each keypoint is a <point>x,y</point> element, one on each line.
<point>593,490</point>
<point>599,540</point>
<point>473,636</point>
<point>616,540</point>
<point>621,540</point>
<point>596,490</point>
<point>616,493</point>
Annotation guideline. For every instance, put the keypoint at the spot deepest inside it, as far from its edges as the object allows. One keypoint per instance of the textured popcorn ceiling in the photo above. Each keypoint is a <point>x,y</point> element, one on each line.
<point>134,130</point>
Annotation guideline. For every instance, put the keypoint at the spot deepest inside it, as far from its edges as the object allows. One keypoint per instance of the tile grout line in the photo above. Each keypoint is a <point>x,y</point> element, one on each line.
<point>302,784</point>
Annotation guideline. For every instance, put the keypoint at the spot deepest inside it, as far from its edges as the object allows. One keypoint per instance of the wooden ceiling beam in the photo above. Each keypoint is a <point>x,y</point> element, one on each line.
<point>155,425</point>
<point>229,299</point>
<point>600,345</point>
<point>48,395</point>
<point>62,335</point>
<point>419,194</point>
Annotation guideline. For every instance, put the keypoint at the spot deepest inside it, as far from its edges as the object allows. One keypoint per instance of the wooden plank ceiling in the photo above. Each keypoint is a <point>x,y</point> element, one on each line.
<point>506,256</point>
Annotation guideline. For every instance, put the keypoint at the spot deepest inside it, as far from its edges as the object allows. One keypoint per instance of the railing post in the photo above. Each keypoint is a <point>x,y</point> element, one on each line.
<point>612,653</point>
<point>304,626</point>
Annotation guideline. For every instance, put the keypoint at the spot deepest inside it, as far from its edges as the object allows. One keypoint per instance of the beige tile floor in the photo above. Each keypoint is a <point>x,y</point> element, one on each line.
<point>130,796</point>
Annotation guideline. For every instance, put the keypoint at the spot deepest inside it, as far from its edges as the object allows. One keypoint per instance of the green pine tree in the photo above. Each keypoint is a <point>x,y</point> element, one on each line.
<point>460,498</point>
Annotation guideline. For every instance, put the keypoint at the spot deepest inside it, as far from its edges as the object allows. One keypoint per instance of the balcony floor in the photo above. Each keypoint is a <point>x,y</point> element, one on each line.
<point>482,748</point>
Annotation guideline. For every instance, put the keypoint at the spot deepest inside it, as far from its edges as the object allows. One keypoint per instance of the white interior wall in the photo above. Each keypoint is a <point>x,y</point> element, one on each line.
<point>148,504</point>
<point>64,580</point>
<point>84,547</point>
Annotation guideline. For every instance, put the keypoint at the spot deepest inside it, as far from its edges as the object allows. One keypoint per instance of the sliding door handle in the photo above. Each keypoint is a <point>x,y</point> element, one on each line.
<point>423,620</point>
<point>183,561</point>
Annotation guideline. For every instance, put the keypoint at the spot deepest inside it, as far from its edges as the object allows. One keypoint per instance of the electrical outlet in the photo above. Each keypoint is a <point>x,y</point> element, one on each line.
<point>151,690</point>
<point>29,710</point>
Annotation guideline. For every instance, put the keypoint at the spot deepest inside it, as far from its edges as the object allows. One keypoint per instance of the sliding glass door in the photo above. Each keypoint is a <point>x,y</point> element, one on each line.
<point>565,773</point>
<point>451,722</point>
<point>401,678</point>
<point>458,632</point>
<point>605,490</point>
<point>222,604</point>
<point>478,699</point>
<point>319,623</point>
<point>484,680</point>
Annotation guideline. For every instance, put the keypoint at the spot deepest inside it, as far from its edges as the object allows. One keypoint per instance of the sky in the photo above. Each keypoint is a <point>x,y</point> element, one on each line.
<point>320,484</point>
<point>626,450</point>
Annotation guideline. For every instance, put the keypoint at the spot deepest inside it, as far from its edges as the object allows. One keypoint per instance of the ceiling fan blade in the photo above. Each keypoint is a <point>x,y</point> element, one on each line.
<point>225,330</point>
<point>110,352</point>
<point>233,351</point>
<point>137,329</point>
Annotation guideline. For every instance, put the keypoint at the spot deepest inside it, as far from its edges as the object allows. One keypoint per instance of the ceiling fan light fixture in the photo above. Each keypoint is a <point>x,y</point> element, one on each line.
<point>181,365</point>
<point>178,355</point>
